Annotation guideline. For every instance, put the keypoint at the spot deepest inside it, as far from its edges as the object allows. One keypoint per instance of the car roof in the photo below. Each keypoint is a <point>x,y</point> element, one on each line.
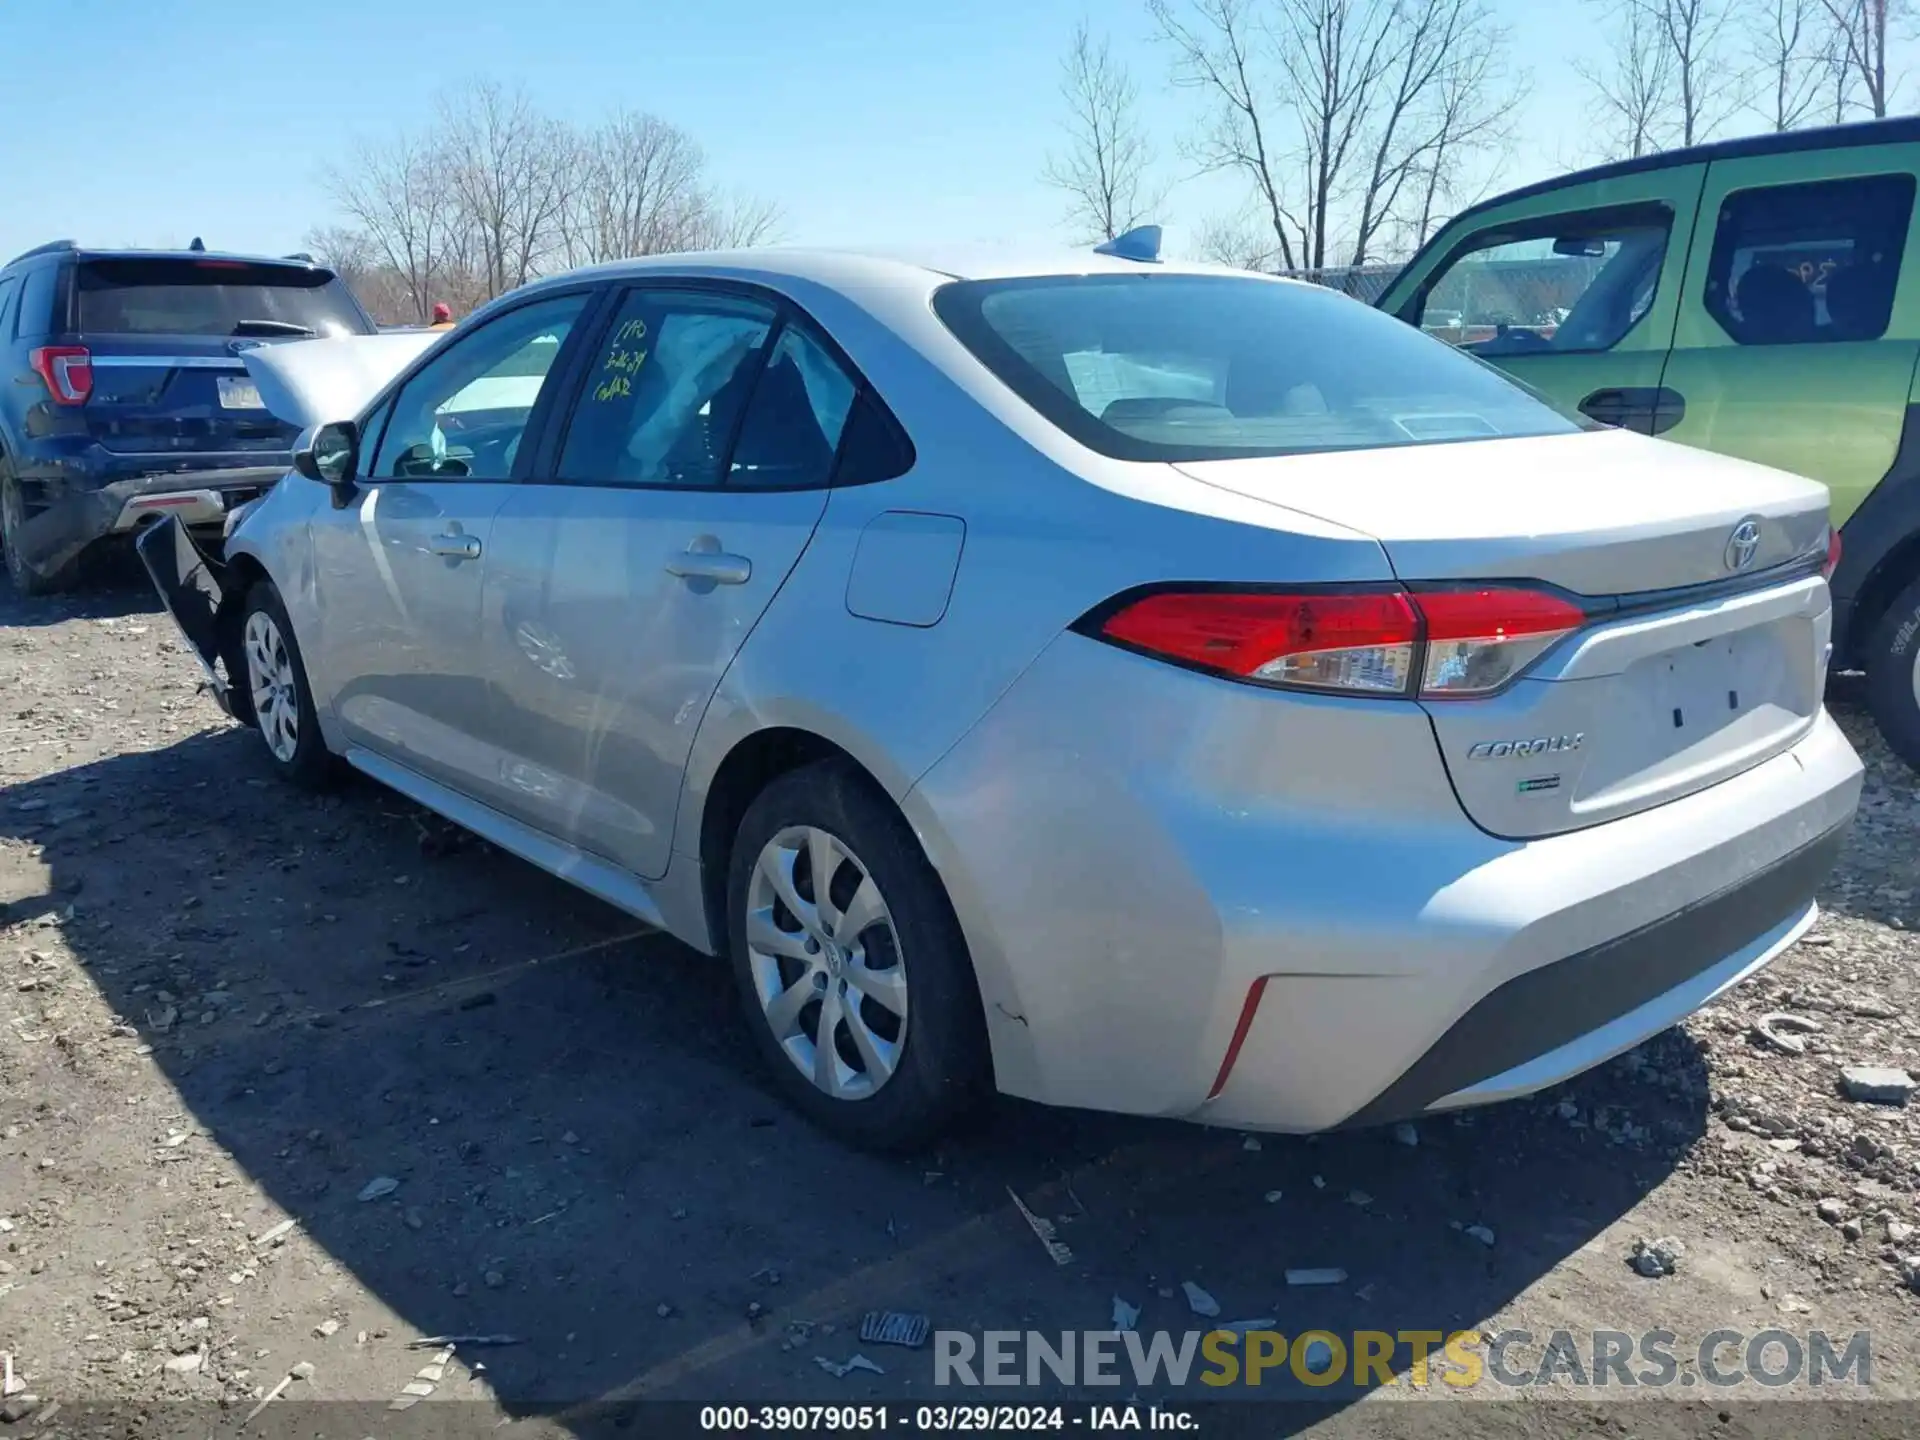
<point>69,250</point>
<point>1899,130</point>
<point>851,267</point>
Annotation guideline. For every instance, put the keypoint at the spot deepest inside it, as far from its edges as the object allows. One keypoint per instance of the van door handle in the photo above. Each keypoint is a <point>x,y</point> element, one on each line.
<point>455,546</point>
<point>1652,410</point>
<point>705,560</point>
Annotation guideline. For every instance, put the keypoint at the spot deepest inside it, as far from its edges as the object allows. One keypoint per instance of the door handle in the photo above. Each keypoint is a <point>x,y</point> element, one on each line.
<point>456,547</point>
<point>705,560</point>
<point>1649,409</point>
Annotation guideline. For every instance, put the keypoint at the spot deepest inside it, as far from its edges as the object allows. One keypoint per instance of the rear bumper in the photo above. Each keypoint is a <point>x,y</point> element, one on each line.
<point>1548,1024</point>
<point>74,502</point>
<point>1134,852</point>
<point>191,586</point>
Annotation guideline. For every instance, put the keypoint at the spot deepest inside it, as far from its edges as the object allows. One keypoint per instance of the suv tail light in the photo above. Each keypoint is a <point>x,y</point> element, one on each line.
<point>67,371</point>
<point>1440,644</point>
<point>1833,553</point>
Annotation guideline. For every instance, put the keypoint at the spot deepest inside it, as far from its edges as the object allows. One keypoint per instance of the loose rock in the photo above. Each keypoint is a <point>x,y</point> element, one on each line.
<point>1655,1258</point>
<point>1877,1084</point>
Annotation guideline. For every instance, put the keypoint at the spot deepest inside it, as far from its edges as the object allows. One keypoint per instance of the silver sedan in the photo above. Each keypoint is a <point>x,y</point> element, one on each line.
<point>1113,682</point>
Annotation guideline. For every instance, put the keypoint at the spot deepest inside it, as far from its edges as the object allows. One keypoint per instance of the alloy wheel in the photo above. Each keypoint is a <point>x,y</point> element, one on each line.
<point>270,679</point>
<point>826,964</point>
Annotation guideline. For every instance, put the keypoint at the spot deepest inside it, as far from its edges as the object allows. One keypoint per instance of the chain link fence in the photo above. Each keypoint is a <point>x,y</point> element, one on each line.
<point>1366,283</point>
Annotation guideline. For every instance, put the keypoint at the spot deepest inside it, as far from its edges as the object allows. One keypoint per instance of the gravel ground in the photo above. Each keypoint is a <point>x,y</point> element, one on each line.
<point>290,1082</point>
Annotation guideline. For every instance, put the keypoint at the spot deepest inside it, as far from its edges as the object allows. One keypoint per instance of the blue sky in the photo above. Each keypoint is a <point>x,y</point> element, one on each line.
<point>869,123</point>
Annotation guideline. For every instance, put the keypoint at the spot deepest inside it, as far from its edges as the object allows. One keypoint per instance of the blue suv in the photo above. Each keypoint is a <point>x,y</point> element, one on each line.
<point>123,395</point>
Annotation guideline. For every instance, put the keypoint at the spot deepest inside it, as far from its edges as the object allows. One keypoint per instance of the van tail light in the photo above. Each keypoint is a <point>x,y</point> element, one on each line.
<point>67,371</point>
<point>1832,562</point>
<point>1442,644</point>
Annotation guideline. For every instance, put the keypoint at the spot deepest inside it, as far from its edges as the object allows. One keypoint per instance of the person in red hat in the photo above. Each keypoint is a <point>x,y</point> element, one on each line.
<point>442,316</point>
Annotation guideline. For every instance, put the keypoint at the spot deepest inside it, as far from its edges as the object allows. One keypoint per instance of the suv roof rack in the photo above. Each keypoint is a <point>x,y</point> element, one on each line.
<point>46,249</point>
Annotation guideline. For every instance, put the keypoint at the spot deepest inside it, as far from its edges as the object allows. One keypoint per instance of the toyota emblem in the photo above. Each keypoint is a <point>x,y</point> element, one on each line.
<point>1743,544</point>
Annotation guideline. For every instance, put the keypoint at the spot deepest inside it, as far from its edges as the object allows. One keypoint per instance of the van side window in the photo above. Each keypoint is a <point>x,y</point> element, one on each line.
<point>1802,264</point>
<point>1564,284</point>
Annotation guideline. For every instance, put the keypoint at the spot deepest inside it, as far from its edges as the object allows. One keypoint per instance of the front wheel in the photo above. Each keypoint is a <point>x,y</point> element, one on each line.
<point>278,692</point>
<point>851,966</point>
<point>1893,675</point>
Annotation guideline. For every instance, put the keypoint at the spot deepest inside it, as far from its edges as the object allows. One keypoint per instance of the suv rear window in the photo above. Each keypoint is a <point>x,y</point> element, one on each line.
<point>212,297</point>
<point>1178,367</point>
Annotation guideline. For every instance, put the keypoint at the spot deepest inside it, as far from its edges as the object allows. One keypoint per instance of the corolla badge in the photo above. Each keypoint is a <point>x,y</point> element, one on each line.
<point>1743,544</point>
<point>1521,749</point>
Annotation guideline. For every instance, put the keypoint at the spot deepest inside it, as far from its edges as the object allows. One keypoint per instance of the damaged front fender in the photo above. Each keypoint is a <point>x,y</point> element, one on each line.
<point>196,590</point>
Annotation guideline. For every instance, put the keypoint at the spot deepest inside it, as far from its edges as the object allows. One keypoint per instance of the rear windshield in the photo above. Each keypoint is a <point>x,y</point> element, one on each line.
<point>212,297</point>
<point>1211,367</point>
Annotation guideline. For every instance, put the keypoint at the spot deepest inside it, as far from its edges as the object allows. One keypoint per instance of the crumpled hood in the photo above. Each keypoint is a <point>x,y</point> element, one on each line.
<point>315,382</point>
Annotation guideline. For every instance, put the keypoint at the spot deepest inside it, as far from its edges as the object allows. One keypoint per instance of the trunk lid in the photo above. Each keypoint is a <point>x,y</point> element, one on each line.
<point>1707,650</point>
<point>316,382</point>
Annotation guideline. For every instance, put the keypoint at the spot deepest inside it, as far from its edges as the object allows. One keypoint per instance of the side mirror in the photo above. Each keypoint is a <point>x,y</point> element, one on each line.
<point>329,454</point>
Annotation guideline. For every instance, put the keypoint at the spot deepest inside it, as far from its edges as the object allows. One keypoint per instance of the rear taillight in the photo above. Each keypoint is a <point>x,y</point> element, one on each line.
<point>1832,562</point>
<point>1444,644</point>
<point>67,371</point>
<point>1478,640</point>
<point>1333,641</point>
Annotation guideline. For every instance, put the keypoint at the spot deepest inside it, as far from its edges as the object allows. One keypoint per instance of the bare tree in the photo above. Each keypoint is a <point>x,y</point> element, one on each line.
<point>1216,45</point>
<point>1103,171</point>
<point>1350,117</point>
<point>1242,241</point>
<point>1635,90</point>
<point>397,194</point>
<point>1706,79</point>
<point>636,190</point>
<point>737,222</point>
<point>1478,103</point>
<point>1444,94</point>
<point>1795,56</point>
<point>509,167</point>
<point>1862,26</point>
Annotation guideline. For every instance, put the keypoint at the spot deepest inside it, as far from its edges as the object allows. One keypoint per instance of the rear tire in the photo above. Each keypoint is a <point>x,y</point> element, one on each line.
<point>877,976</point>
<point>275,682</point>
<point>13,515</point>
<point>1893,675</point>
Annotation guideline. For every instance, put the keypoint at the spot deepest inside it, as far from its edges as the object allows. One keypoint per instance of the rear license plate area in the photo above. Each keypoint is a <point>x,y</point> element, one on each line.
<point>1704,686</point>
<point>238,392</point>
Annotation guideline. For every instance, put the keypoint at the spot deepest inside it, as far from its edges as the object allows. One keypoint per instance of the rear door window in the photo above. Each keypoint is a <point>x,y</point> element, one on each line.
<point>9,288</point>
<point>667,389</point>
<point>1567,284</point>
<point>792,427</point>
<point>212,297</point>
<point>1803,264</point>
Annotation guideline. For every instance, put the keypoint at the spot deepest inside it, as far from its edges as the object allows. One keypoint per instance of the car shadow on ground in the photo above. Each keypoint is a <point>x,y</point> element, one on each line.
<point>342,989</point>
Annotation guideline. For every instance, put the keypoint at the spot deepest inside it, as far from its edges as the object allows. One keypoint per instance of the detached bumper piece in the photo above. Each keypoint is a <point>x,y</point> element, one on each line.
<point>190,585</point>
<point>1537,1012</point>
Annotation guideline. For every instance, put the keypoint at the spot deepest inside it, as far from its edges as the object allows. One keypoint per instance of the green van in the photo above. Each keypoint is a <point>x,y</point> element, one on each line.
<point>1757,297</point>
